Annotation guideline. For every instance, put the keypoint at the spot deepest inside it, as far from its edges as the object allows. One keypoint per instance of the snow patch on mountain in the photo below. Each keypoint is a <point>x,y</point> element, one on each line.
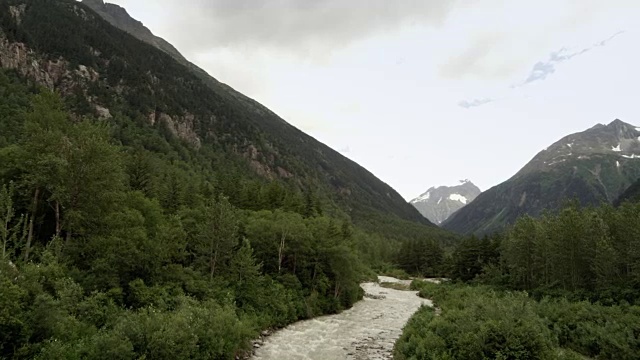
<point>458,197</point>
<point>423,197</point>
<point>438,203</point>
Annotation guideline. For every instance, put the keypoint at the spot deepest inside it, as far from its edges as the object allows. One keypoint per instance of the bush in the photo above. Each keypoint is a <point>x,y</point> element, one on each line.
<point>481,323</point>
<point>593,330</point>
<point>476,324</point>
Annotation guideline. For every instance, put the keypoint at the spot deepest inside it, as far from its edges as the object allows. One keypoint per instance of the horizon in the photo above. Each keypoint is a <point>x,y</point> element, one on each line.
<point>526,70</point>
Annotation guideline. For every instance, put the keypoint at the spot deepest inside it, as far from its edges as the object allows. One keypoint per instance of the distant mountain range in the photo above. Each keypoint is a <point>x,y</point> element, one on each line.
<point>594,166</point>
<point>438,203</point>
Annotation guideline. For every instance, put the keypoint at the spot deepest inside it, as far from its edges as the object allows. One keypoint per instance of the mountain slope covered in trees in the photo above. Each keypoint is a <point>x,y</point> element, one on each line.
<point>595,166</point>
<point>148,214</point>
<point>102,70</point>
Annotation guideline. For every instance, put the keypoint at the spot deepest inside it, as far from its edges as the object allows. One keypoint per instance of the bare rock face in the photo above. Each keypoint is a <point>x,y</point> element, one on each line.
<point>180,126</point>
<point>438,204</point>
<point>53,74</point>
<point>103,112</point>
<point>59,75</point>
<point>17,12</point>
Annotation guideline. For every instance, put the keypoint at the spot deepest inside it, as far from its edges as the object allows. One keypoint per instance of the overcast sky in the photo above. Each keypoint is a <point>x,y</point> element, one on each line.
<point>420,92</point>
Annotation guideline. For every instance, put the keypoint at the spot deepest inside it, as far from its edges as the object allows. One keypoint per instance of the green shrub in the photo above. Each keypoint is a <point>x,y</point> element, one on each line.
<point>593,330</point>
<point>475,324</point>
<point>478,322</point>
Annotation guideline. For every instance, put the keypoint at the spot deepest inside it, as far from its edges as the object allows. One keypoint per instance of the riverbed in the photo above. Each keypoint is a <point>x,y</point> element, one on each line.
<point>366,331</point>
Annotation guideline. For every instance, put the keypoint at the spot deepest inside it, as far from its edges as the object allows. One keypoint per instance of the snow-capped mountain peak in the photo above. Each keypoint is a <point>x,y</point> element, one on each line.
<point>438,203</point>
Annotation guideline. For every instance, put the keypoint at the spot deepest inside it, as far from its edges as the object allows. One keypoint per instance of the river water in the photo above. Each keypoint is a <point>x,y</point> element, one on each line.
<point>366,331</point>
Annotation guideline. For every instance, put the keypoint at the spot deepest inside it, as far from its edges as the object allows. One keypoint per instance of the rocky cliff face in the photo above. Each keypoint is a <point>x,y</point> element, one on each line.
<point>68,79</point>
<point>53,74</point>
<point>438,204</point>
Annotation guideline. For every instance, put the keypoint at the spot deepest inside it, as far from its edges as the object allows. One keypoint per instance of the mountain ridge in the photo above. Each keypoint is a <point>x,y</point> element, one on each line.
<point>593,166</point>
<point>438,203</point>
<point>120,18</point>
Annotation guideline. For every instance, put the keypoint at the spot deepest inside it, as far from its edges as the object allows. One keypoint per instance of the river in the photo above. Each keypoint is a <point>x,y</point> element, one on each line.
<point>366,331</point>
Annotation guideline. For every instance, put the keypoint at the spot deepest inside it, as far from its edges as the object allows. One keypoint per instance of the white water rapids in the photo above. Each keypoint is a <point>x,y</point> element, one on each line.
<point>366,331</point>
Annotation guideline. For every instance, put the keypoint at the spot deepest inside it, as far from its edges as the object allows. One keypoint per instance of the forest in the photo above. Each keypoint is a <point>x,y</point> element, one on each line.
<point>562,286</point>
<point>118,241</point>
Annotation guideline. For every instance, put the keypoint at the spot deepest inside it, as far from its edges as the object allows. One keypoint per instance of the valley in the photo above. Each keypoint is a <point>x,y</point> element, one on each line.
<point>150,211</point>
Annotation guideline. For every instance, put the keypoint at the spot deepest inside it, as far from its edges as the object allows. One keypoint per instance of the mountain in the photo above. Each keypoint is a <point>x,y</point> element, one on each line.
<point>593,166</point>
<point>104,71</point>
<point>437,204</point>
<point>120,18</point>
<point>632,194</point>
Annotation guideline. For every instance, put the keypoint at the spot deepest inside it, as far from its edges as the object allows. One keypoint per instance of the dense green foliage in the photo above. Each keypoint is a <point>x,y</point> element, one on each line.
<point>591,253</point>
<point>481,323</point>
<point>422,258</point>
<point>117,241</point>
<point>582,253</point>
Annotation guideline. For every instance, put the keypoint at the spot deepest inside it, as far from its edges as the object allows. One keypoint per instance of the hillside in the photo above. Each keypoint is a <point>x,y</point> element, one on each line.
<point>438,203</point>
<point>150,212</point>
<point>632,194</point>
<point>65,46</point>
<point>594,166</point>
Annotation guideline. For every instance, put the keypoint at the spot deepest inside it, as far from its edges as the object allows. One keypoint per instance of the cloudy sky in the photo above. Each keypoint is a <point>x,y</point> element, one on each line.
<point>420,92</point>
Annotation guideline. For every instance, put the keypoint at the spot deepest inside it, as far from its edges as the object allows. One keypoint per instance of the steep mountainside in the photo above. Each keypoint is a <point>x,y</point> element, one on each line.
<point>438,204</point>
<point>632,194</point>
<point>593,166</point>
<point>63,45</point>
<point>118,17</point>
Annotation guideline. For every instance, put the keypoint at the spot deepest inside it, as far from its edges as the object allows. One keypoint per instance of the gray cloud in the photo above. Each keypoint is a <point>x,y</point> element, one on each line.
<point>294,25</point>
<point>475,102</point>
<point>543,69</point>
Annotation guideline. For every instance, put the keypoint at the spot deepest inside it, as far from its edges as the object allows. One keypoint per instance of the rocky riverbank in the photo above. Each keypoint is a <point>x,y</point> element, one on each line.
<point>369,330</point>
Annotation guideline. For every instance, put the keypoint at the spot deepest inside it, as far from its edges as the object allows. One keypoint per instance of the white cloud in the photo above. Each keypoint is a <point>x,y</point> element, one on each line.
<point>543,69</point>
